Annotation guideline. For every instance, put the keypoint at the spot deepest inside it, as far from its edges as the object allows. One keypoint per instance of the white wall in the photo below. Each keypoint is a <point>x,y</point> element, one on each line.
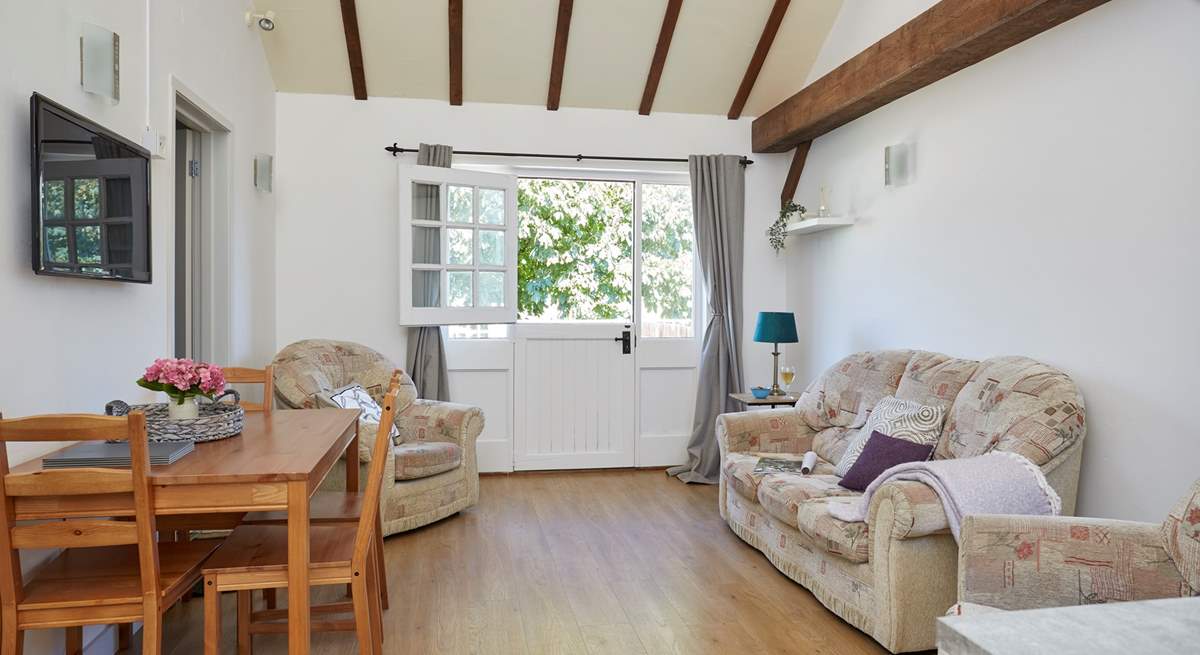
<point>1054,215</point>
<point>338,199</point>
<point>73,345</point>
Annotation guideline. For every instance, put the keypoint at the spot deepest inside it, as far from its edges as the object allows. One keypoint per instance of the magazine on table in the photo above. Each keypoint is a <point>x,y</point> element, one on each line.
<point>803,465</point>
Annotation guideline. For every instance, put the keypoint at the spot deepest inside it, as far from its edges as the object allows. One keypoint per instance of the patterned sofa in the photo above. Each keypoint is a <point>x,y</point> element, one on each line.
<point>1027,562</point>
<point>433,466</point>
<point>892,575</point>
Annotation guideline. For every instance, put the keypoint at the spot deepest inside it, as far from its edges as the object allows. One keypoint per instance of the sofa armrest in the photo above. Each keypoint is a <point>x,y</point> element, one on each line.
<point>917,510</point>
<point>432,420</point>
<point>1027,562</point>
<point>764,431</point>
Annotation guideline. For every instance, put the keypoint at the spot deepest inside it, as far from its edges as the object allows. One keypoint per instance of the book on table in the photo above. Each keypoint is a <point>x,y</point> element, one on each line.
<point>102,454</point>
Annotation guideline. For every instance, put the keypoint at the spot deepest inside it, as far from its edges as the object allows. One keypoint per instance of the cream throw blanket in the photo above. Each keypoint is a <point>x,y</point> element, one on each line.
<point>995,483</point>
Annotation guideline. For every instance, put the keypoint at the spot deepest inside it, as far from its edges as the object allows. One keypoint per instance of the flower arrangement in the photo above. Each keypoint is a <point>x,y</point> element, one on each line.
<point>778,230</point>
<point>182,379</point>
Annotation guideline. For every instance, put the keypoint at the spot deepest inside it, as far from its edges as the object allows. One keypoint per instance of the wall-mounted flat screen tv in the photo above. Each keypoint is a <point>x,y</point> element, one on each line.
<point>91,198</point>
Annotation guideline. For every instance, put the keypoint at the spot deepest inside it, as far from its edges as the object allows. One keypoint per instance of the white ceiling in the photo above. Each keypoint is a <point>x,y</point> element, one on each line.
<point>507,46</point>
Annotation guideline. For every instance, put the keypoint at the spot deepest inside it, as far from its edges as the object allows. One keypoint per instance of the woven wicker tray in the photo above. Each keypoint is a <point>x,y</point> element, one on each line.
<point>217,420</point>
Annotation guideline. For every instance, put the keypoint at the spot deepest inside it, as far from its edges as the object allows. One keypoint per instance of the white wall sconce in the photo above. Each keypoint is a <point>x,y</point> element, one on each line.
<point>100,62</point>
<point>264,172</point>
<point>898,164</point>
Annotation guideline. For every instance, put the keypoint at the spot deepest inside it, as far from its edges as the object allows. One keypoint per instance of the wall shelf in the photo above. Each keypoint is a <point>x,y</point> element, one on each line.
<point>819,224</point>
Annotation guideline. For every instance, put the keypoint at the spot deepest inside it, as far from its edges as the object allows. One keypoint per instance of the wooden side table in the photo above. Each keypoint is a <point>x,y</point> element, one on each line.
<point>770,401</point>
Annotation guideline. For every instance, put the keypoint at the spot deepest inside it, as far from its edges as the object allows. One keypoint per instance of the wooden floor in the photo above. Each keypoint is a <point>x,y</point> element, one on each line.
<point>622,562</point>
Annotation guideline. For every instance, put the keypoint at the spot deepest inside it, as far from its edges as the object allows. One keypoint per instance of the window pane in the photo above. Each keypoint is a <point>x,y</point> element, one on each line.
<point>53,199</point>
<point>427,205</point>
<point>118,241</point>
<point>668,239</point>
<point>87,244</point>
<point>491,289</point>
<point>427,245</point>
<point>459,293</point>
<point>491,248</point>
<point>491,206</point>
<point>461,249</point>
<point>427,289</point>
<point>575,250</point>
<point>57,249</point>
<point>462,203</point>
<point>118,197</point>
<point>87,198</point>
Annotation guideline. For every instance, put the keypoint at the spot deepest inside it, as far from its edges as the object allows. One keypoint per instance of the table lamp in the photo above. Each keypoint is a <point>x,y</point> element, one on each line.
<point>776,328</point>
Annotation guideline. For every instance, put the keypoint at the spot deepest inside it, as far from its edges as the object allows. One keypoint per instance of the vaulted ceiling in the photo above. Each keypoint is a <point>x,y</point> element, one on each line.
<point>508,47</point>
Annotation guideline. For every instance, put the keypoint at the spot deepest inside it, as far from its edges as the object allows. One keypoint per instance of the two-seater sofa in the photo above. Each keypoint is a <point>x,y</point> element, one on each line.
<point>894,574</point>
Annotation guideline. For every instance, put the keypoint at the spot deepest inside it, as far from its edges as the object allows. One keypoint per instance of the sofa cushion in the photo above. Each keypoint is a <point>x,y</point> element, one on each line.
<point>900,419</point>
<point>738,469</point>
<point>423,459</point>
<point>934,378</point>
<point>843,394</point>
<point>781,494</point>
<point>1014,404</point>
<point>880,454</point>
<point>1181,536</point>
<point>849,540</point>
<point>831,443</point>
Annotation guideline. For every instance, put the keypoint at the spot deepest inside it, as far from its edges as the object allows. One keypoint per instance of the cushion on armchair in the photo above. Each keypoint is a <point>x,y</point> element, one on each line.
<point>354,396</point>
<point>1181,536</point>
<point>423,459</point>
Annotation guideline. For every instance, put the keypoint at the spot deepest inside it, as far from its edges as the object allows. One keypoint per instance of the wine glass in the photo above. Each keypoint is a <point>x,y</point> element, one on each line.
<point>787,374</point>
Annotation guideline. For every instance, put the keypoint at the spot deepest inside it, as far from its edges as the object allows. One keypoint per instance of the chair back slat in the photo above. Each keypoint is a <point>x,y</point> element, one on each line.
<point>75,533</point>
<point>379,452</point>
<point>263,376</point>
<point>69,482</point>
<point>65,427</point>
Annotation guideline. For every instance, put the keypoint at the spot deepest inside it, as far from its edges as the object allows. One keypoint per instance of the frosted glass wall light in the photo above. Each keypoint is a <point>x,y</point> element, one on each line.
<point>898,164</point>
<point>100,62</point>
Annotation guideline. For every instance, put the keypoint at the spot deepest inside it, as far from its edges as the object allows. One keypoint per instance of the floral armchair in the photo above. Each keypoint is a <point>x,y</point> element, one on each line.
<point>432,466</point>
<point>1028,562</point>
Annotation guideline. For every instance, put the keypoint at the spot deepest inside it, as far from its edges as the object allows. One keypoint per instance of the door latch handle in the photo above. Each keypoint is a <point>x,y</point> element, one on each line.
<point>626,344</point>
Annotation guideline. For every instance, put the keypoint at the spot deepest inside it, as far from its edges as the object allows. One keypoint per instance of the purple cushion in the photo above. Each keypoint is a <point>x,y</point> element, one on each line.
<point>880,454</point>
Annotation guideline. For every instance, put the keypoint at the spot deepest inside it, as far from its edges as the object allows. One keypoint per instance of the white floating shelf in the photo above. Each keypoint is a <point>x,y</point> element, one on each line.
<point>819,224</point>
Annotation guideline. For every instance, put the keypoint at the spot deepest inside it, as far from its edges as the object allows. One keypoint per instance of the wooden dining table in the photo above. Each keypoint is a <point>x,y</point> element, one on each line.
<point>276,463</point>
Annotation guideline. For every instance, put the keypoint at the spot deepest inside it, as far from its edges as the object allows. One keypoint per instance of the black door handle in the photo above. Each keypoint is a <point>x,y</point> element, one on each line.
<point>626,344</point>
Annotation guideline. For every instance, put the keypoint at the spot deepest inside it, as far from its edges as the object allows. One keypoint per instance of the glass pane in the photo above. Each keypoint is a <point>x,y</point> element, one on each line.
<point>427,245</point>
<point>668,238</point>
<point>575,250</point>
<point>462,203</point>
<point>118,197</point>
<point>119,243</point>
<point>57,249</point>
<point>87,198</point>
<point>491,206</point>
<point>491,289</point>
<point>461,246</point>
<point>427,289</point>
<point>491,248</point>
<point>427,205</point>
<point>53,199</point>
<point>459,294</point>
<point>491,331</point>
<point>87,244</point>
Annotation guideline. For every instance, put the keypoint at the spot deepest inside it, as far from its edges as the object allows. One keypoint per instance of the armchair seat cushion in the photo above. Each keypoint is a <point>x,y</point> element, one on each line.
<point>422,459</point>
<point>740,475</point>
<point>781,494</point>
<point>848,540</point>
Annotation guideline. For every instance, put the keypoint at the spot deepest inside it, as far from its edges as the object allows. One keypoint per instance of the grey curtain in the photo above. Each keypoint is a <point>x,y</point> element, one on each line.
<point>426,346</point>
<point>718,207</point>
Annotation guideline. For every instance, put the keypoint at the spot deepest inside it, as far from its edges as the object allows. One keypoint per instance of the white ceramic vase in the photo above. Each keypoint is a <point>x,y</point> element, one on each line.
<point>187,409</point>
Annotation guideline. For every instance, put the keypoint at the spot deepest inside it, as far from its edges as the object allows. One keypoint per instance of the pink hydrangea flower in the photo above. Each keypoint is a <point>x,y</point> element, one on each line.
<point>186,376</point>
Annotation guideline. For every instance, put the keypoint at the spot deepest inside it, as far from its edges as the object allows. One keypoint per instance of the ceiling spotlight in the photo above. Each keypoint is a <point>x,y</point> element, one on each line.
<point>266,22</point>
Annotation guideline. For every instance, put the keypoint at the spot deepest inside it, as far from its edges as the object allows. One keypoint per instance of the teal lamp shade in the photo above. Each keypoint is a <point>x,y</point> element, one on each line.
<point>776,327</point>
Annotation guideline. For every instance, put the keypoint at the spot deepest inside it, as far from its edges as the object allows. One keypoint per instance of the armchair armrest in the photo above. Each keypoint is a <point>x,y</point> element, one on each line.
<point>1026,562</point>
<point>917,510</point>
<point>431,420</point>
<point>764,431</point>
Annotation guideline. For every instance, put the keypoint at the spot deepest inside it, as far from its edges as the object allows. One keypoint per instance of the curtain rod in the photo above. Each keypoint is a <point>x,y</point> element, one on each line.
<point>399,151</point>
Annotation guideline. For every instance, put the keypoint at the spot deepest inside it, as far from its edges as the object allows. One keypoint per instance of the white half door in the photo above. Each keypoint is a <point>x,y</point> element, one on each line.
<point>575,396</point>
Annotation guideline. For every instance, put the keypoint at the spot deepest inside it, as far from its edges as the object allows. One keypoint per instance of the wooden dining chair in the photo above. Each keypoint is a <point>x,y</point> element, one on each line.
<point>111,570</point>
<point>263,376</point>
<point>255,557</point>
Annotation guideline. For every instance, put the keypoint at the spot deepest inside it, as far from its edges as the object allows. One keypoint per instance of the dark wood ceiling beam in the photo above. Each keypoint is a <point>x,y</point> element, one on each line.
<point>358,75</point>
<point>946,38</point>
<point>456,52</point>
<point>559,59</point>
<point>793,175</point>
<point>760,56</point>
<point>660,55</point>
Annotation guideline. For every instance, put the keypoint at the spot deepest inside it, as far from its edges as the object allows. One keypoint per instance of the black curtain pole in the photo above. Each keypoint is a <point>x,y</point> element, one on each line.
<point>395,150</point>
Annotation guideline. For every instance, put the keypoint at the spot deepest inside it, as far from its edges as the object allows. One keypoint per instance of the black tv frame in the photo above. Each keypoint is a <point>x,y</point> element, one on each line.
<point>38,102</point>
